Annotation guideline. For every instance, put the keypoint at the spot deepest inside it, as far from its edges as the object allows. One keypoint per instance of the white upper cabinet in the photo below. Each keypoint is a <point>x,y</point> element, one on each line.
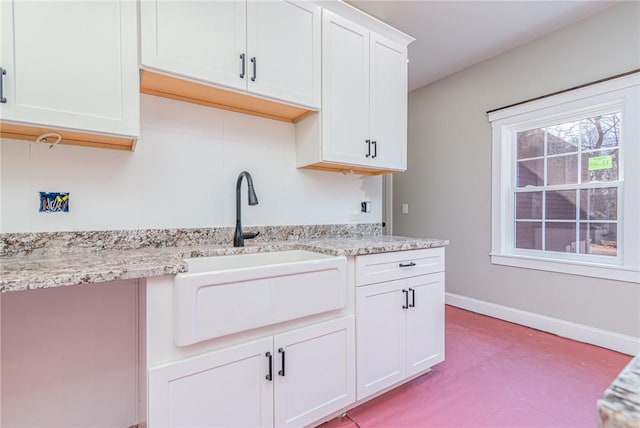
<point>69,65</point>
<point>345,73</point>
<point>283,40</point>
<point>388,103</point>
<point>197,39</point>
<point>363,122</point>
<point>266,48</point>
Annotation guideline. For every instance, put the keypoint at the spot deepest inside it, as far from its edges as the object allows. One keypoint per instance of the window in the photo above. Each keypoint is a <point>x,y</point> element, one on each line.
<point>566,187</point>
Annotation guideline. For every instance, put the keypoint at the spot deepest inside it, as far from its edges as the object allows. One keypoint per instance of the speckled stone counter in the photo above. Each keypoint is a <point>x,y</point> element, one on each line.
<point>619,407</point>
<point>35,270</point>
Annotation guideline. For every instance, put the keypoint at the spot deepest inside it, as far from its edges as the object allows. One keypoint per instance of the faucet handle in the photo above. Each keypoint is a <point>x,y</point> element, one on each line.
<point>250,235</point>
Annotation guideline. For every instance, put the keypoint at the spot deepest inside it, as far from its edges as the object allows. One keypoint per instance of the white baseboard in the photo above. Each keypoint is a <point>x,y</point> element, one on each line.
<point>618,342</point>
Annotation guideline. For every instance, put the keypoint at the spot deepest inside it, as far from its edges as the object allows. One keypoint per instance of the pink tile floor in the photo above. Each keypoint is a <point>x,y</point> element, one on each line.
<point>498,374</point>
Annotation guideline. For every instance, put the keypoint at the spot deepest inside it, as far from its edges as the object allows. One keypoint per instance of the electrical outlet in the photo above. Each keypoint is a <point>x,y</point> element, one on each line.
<point>405,208</point>
<point>365,206</point>
<point>54,202</point>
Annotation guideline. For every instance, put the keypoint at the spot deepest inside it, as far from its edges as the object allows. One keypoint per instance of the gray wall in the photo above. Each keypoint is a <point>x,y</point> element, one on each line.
<point>448,182</point>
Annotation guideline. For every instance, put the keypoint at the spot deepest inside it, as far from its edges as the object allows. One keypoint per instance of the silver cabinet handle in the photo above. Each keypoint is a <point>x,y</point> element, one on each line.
<point>2,73</point>
<point>407,264</point>
<point>242,67</point>
<point>375,148</point>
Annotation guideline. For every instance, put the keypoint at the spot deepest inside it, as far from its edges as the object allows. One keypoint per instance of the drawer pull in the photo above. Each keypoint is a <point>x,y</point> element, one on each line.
<point>407,264</point>
<point>413,298</point>
<point>406,299</point>
<point>242,66</point>
<point>281,371</point>
<point>270,357</point>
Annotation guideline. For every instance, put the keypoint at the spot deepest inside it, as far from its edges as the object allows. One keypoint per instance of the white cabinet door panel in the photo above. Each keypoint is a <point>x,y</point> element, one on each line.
<point>345,104</point>
<point>202,40</point>
<point>284,41</point>
<point>381,338</point>
<point>221,389</point>
<point>388,118</point>
<point>71,64</point>
<point>319,376</point>
<point>425,322</point>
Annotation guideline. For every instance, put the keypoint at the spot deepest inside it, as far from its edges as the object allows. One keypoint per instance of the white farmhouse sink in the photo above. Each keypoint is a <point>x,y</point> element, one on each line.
<point>229,294</point>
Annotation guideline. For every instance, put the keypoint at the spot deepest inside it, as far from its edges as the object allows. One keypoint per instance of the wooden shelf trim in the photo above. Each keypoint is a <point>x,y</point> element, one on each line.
<point>31,132</point>
<point>348,169</point>
<point>176,88</point>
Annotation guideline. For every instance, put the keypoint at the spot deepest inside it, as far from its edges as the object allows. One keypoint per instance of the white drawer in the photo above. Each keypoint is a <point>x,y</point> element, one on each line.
<point>382,267</point>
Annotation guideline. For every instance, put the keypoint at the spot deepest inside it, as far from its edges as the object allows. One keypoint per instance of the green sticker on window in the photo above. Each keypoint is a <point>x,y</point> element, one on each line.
<point>600,162</point>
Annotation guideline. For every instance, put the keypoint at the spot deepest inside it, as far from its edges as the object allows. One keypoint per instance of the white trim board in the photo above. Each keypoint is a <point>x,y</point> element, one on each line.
<point>607,339</point>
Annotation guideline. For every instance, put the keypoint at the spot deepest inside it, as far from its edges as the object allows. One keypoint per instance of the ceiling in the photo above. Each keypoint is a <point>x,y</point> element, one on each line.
<point>453,35</point>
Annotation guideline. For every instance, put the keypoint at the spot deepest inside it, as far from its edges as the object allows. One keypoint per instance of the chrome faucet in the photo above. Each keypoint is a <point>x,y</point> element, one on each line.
<point>239,236</point>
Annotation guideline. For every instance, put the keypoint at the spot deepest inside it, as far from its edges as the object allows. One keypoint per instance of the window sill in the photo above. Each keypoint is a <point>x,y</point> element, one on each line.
<point>594,270</point>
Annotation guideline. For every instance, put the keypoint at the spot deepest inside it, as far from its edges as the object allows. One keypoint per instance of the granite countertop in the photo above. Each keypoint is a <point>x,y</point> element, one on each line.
<point>35,271</point>
<point>619,407</point>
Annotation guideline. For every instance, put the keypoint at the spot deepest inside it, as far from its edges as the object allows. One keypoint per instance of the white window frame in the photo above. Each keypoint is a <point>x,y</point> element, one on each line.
<point>621,94</point>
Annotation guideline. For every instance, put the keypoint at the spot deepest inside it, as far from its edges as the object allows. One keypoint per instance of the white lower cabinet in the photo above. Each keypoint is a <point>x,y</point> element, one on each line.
<point>286,380</point>
<point>224,388</point>
<point>400,323</point>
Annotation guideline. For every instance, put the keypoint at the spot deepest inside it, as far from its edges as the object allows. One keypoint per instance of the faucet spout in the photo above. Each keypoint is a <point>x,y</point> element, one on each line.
<point>239,236</point>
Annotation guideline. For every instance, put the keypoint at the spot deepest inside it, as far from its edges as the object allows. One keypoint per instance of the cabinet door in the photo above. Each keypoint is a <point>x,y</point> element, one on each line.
<point>201,40</point>
<point>425,322</point>
<point>71,64</point>
<point>284,50</point>
<point>345,91</point>
<point>227,388</point>
<point>381,336</point>
<point>319,372</point>
<point>388,103</point>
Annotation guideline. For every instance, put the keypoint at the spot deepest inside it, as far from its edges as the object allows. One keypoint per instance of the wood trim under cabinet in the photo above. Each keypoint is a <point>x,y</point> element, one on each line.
<point>76,138</point>
<point>176,88</point>
<point>347,169</point>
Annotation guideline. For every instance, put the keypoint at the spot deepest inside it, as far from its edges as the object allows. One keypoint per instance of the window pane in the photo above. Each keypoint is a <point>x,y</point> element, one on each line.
<point>563,138</point>
<point>529,235</point>
<point>601,131</point>
<point>530,173</point>
<point>602,239</point>
<point>560,237</point>
<point>599,204</point>
<point>601,165</point>
<point>530,143</point>
<point>562,170</point>
<point>561,205</point>
<point>529,205</point>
